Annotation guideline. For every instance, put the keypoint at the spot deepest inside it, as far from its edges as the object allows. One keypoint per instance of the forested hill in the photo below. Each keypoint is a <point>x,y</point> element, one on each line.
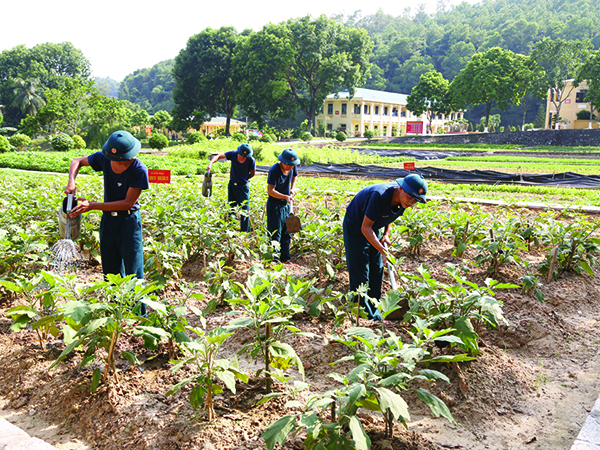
<point>151,88</point>
<point>415,43</point>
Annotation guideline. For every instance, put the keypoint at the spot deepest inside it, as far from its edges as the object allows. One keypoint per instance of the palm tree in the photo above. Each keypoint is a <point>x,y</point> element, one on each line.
<point>27,98</point>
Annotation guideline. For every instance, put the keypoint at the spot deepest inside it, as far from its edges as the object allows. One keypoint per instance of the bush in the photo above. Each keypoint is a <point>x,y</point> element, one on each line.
<point>78,142</point>
<point>502,129</point>
<point>4,144</point>
<point>62,143</point>
<point>196,137</point>
<point>158,141</point>
<point>253,137</point>
<point>306,136</point>
<point>266,138</point>
<point>341,136</point>
<point>331,134</point>
<point>368,134</point>
<point>240,137</point>
<point>529,126</point>
<point>20,141</point>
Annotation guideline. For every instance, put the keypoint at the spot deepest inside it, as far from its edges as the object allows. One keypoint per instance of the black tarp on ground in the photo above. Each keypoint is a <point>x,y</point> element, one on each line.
<point>420,155</point>
<point>565,179</point>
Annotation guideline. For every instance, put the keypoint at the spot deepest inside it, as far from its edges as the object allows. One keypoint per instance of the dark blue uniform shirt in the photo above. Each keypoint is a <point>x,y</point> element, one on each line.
<point>116,185</point>
<point>281,182</point>
<point>375,202</point>
<point>240,171</point>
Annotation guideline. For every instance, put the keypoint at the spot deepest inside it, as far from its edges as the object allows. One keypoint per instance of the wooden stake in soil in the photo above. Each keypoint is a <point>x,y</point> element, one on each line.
<point>552,264</point>
<point>267,357</point>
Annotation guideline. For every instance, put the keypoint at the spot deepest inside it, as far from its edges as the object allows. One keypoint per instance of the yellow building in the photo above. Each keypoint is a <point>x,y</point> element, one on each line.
<point>382,112</point>
<point>574,102</point>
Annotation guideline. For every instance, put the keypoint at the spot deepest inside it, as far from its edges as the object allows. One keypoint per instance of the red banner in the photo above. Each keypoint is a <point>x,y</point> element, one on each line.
<point>159,176</point>
<point>409,166</point>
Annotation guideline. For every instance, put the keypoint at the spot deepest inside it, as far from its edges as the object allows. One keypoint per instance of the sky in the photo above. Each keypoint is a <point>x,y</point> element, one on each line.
<point>119,37</point>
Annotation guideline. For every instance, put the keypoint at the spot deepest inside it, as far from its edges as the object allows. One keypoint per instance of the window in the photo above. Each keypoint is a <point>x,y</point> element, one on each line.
<point>343,127</point>
<point>403,114</point>
<point>385,131</point>
<point>344,108</point>
<point>366,110</point>
<point>356,128</point>
<point>329,126</point>
<point>580,96</point>
<point>330,108</point>
<point>356,109</point>
<point>377,110</point>
<point>385,110</point>
<point>394,112</point>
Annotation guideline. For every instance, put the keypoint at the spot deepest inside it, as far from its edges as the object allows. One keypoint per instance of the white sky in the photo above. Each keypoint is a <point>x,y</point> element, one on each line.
<point>119,37</point>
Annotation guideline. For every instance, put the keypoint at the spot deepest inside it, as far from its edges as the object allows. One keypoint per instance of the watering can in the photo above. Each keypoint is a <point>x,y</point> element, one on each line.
<point>207,184</point>
<point>68,227</point>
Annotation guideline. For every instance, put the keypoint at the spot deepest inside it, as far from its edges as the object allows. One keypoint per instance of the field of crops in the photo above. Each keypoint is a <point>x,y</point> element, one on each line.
<point>499,310</point>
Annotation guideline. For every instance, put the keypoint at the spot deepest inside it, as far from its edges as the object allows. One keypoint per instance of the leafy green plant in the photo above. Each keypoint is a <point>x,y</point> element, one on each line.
<point>267,308</point>
<point>464,306</point>
<point>62,143</point>
<point>341,136</point>
<point>19,141</point>
<point>573,248</point>
<point>158,141</point>
<point>503,245</point>
<point>78,142</point>
<point>99,323</point>
<point>4,144</point>
<point>41,308</point>
<point>201,353</point>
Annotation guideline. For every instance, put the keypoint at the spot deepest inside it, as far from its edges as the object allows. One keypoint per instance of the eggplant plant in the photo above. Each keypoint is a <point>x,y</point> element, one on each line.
<point>502,245</point>
<point>100,321</point>
<point>573,247</point>
<point>266,307</point>
<point>463,307</point>
<point>201,353</point>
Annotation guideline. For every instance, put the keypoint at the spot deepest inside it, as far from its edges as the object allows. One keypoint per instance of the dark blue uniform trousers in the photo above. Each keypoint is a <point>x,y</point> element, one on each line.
<point>365,265</point>
<point>121,246</point>
<point>240,196</point>
<point>276,217</point>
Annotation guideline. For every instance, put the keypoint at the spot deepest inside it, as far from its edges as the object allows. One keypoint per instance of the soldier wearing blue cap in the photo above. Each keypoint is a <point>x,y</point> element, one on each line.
<point>243,167</point>
<point>373,208</point>
<point>125,177</point>
<point>281,182</point>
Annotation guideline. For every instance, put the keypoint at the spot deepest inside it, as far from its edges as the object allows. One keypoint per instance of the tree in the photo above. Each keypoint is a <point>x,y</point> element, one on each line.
<point>430,96</point>
<point>316,57</point>
<point>27,96</point>
<point>486,80</point>
<point>205,81</point>
<point>590,72</point>
<point>527,76</point>
<point>74,109</point>
<point>49,63</point>
<point>561,61</point>
<point>263,95</point>
<point>161,120</point>
<point>151,89</point>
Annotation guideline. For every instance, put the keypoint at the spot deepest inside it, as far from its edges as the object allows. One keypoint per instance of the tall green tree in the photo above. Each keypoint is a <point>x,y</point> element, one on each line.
<point>430,96</point>
<point>74,109</point>
<point>315,57</point>
<point>27,96</point>
<point>49,63</point>
<point>487,80</point>
<point>590,72</point>
<point>161,120</point>
<point>150,88</point>
<point>528,87</point>
<point>205,81</point>
<point>561,61</point>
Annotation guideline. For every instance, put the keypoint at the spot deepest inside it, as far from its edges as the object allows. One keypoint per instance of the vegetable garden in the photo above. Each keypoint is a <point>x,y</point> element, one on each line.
<point>495,318</point>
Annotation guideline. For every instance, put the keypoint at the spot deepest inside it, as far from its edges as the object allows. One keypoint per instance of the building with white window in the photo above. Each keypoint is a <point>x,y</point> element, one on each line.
<point>382,112</point>
<point>571,109</point>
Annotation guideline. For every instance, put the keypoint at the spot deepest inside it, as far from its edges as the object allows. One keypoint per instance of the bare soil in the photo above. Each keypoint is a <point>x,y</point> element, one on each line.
<point>531,388</point>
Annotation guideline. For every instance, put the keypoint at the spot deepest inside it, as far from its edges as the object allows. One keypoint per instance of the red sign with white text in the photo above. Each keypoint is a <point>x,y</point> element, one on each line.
<point>409,166</point>
<point>159,176</point>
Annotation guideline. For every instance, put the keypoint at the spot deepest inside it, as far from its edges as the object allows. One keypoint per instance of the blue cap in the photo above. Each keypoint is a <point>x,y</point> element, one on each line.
<point>121,146</point>
<point>415,186</point>
<point>245,150</point>
<point>289,157</point>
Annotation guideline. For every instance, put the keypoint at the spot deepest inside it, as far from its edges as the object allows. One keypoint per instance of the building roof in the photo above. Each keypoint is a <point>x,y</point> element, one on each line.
<point>371,94</point>
<point>219,120</point>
